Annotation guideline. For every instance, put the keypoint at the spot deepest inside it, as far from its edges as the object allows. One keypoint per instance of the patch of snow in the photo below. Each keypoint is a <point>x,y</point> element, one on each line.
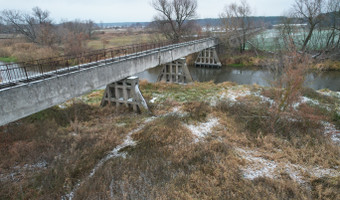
<point>202,129</point>
<point>320,172</point>
<point>306,100</point>
<point>330,93</point>
<point>232,95</point>
<point>62,106</point>
<point>258,166</point>
<point>177,111</point>
<point>20,171</point>
<point>331,130</point>
<point>112,154</point>
<point>155,97</point>
<point>264,98</point>
<point>39,165</point>
<point>229,95</point>
<point>336,138</point>
<point>309,100</point>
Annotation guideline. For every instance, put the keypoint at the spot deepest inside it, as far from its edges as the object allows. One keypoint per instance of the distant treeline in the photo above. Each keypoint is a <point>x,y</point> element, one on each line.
<point>202,22</point>
<point>271,20</point>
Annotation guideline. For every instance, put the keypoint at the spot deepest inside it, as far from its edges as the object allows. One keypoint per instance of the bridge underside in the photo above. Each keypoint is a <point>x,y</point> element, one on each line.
<point>28,98</point>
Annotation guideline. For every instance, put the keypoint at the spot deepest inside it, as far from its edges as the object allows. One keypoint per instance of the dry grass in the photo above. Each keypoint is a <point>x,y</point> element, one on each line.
<point>21,50</point>
<point>328,65</point>
<point>112,39</point>
<point>24,51</point>
<point>70,141</point>
<point>167,162</point>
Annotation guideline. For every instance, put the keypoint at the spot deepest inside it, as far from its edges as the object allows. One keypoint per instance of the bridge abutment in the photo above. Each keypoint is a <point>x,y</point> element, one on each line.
<point>175,72</point>
<point>125,93</point>
<point>208,58</point>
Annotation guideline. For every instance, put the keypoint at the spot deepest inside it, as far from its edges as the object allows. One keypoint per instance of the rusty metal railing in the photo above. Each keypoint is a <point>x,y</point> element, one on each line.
<point>25,72</point>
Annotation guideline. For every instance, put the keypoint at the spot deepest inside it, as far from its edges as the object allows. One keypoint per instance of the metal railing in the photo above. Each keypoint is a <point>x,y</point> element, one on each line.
<point>25,72</point>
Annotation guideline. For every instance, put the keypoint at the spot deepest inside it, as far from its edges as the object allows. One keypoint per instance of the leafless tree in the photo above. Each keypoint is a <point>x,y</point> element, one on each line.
<point>29,25</point>
<point>237,22</point>
<point>320,20</point>
<point>173,17</point>
<point>333,23</point>
<point>311,12</point>
<point>77,26</point>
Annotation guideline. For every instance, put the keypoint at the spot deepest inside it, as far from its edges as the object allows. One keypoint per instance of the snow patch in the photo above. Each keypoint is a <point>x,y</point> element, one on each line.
<point>330,93</point>
<point>232,95</point>
<point>331,130</point>
<point>155,97</point>
<point>306,100</point>
<point>258,166</point>
<point>20,171</point>
<point>203,129</point>
<point>112,154</point>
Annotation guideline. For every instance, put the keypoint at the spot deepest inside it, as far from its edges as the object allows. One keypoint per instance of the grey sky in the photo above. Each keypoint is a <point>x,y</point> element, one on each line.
<point>133,10</point>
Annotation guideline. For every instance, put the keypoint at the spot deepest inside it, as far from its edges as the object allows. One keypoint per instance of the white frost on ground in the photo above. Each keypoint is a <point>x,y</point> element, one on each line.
<point>266,99</point>
<point>178,111</point>
<point>229,95</point>
<point>20,171</point>
<point>115,153</point>
<point>112,154</point>
<point>203,129</point>
<point>155,97</point>
<point>258,166</point>
<point>331,130</point>
<point>330,93</point>
<point>309,100</point>
<point>235,92</point>
<point>232,95</point>
<point>306,100</point>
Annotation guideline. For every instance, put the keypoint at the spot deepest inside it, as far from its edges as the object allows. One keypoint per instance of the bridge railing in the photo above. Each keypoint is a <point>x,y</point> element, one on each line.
<point>10,74</point>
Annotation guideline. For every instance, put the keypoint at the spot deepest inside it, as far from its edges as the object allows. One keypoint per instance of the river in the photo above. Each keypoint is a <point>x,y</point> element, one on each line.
<point>263,77</point>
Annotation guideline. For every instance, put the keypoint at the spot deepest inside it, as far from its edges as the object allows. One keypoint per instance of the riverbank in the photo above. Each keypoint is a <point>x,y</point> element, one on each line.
<point>202,140</point>
<point>250,59</point>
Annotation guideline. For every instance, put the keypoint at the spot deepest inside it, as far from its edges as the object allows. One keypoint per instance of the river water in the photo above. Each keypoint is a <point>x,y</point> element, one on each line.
<point>249,76</point>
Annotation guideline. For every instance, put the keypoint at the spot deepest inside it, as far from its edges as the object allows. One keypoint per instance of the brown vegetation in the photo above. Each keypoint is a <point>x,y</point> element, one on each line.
<point>167,162</point>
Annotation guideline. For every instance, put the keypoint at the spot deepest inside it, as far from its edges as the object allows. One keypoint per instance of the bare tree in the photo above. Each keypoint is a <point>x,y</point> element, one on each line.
<point>311,12</point>
<point>90,26</point>
<point>333,23</point>
<point>30,26</point>
<point>237,22</point>
<point>318,23</point>
<point>173,17</point>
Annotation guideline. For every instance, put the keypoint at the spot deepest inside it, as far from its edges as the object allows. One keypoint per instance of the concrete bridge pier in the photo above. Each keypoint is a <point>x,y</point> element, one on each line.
<point>125,92</point>
<point>175,72</point>
<point>208,58</point>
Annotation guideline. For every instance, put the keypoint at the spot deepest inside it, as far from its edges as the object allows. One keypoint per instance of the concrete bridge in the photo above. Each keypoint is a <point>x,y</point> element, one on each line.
<point>31,92</point>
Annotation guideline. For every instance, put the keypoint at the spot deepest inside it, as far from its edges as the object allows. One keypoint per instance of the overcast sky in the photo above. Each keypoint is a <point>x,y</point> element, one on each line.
<point>133,10</point>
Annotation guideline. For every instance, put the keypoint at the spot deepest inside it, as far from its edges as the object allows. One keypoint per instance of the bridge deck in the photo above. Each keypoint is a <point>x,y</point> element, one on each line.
<point>24,91</point>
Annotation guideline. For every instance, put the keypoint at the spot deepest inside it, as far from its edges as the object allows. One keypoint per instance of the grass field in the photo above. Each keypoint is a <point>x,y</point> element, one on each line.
<point>199,141</point>
<point>109,39</point>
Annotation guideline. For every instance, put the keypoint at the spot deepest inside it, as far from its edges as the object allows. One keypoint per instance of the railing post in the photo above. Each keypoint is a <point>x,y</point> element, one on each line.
<point>9,74</point>
<point>26,73</point>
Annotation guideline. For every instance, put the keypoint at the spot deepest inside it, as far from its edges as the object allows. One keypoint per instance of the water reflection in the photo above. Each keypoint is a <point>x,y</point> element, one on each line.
<point>249,76</point>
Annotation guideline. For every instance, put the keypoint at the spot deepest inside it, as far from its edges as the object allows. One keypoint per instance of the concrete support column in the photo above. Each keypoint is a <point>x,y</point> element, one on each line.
<point>126,92</point>
<point>208,58</point>
<point>175,72</point>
